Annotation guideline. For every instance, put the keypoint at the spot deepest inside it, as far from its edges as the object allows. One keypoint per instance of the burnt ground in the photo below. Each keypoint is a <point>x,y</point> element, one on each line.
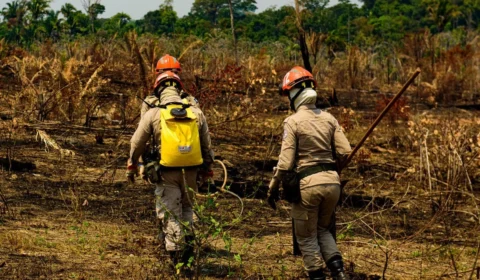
<point>75,217</point>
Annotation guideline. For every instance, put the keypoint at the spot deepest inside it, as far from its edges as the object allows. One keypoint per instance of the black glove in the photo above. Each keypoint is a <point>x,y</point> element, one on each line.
<point>272,197</point>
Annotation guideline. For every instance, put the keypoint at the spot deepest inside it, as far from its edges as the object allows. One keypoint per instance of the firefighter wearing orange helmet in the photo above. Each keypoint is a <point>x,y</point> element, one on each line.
<point>164,64</point>
<point>168,63</point>
<point>313,142</point>
<point>180,133</point>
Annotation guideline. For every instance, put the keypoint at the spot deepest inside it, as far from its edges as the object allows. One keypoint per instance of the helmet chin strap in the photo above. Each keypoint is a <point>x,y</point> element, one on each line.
<point>292,100</point>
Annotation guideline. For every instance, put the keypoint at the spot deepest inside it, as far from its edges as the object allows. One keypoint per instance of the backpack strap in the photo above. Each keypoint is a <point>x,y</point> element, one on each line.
<point>150,105</point>
<point>184,106</point>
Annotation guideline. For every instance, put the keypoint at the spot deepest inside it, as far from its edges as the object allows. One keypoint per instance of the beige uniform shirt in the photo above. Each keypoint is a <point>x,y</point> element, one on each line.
<point>307,141</point>
<point>150,125</point>
<point>153,100</point>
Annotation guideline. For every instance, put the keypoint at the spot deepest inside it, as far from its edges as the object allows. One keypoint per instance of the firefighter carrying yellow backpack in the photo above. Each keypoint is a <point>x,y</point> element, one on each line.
<point>180,140</point>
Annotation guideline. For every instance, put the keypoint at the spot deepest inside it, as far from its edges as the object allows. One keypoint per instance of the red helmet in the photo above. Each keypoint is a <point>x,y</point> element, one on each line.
<point>168,79</point>
<point>297,77</point>
<point>168,63</point>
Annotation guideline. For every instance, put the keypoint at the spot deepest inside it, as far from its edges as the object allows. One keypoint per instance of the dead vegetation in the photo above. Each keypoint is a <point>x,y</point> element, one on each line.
<point>411,205</point>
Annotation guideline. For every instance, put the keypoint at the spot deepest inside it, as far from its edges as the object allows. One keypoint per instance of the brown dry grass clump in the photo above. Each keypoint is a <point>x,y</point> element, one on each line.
<point>411,209</point>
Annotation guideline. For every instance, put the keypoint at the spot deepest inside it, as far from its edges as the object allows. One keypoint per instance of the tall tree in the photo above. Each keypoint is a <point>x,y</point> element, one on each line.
<point>53,24</point>
<point>207,9</point>
<point>271,24</point>
<point>93,8</point>
<point>212,10</point>
<point>441,12</point>
<point>38,8</point>
<point>471,11</point>
<point>119,23</point>
<point>68,11</point>
<point>14,14</point>
<point>233,31</point>
<point>12,9</point>
<point>313,4</point>
<point>161,21</point>
<point>168,17</point>
<point>368,4</point>
<point>75,21</point>
<point>317,18</point>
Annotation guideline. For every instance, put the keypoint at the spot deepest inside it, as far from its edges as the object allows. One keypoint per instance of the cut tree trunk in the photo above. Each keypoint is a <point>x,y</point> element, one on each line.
<point>302,38</point>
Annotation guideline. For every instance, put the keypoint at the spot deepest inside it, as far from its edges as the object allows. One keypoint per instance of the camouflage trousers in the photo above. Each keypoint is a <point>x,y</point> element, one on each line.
<point>173,205</point>
<point>311,220</point>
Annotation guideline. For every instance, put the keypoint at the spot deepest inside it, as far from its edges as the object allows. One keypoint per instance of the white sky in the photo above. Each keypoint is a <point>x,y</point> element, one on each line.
<point>138,8</point>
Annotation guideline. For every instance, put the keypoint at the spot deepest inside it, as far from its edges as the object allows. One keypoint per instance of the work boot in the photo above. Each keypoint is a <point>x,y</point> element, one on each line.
<point>161,240</point>
<point>317,275</point>
<point>188,252</point>
<point>176,257</point>
<point>335,265</point>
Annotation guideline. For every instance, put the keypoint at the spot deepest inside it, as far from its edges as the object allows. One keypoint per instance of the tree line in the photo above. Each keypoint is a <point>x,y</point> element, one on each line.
<point>375,21</point>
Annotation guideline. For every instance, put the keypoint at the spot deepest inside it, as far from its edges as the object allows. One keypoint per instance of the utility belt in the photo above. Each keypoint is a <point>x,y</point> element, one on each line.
<point>291,180</point>
<point>170,168</point>
<point>153,170</point>
<point>316,169</point>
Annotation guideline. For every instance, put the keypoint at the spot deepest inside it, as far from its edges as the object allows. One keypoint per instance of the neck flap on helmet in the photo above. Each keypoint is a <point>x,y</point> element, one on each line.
<point>302,87</point>
<point>158,91</point>
<point>292,99</point>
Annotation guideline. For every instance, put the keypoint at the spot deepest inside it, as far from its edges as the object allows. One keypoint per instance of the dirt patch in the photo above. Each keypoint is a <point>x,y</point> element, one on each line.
<point>77,218</point>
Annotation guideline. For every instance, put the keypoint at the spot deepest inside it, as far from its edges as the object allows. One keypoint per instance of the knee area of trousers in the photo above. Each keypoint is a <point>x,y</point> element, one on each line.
<point>305,230</point>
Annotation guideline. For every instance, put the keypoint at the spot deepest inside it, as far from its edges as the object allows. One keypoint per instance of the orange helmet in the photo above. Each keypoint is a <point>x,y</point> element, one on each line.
<point>168,79</point>
<point>297,77</point>
<point>168,63</point>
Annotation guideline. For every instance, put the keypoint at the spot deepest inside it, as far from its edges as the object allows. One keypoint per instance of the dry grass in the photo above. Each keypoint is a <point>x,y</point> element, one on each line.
<point>412,205</point>
<point>64,223</point>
